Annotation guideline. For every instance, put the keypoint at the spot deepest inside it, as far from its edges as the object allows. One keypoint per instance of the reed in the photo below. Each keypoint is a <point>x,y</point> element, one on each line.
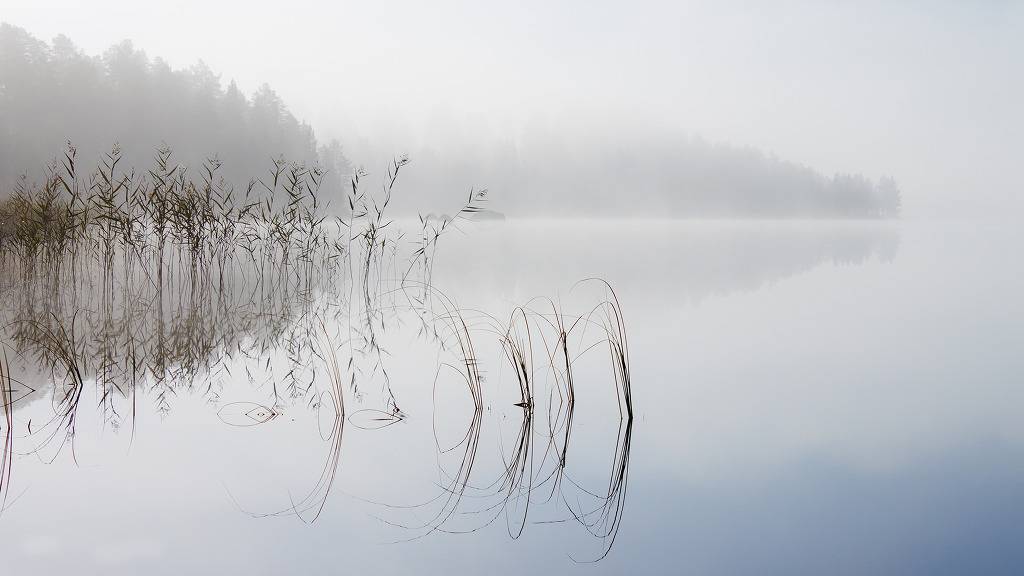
<point>173,274</point>
<point>7,405</point>
<point>163,222</point>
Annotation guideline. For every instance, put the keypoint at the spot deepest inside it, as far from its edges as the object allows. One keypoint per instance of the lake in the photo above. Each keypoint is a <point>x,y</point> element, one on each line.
<point>776,397</point>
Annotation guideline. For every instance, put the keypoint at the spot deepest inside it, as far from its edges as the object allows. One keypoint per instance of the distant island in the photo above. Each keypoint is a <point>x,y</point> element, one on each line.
<point>52,93</point>
<point>640,175</point>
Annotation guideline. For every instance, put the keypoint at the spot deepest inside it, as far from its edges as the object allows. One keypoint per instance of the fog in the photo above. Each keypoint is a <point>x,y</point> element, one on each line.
<point>923,93</point>
<point>57,102</point>
<point>533,287</point>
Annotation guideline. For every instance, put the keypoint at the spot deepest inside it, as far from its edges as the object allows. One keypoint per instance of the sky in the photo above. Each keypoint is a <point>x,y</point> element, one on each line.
<point>930,93</point>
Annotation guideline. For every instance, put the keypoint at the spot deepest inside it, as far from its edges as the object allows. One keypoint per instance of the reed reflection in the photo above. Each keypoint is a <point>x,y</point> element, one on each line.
<point>147,289</point>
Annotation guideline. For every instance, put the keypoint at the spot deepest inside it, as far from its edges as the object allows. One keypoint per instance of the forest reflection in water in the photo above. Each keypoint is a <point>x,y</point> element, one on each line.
<point>256,343</point>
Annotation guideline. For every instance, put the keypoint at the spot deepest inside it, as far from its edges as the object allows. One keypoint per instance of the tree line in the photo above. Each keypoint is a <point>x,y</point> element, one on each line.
<point>53,93</point>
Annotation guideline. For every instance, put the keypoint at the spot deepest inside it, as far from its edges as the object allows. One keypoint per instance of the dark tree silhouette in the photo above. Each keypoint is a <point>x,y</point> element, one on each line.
<point>53,93</point>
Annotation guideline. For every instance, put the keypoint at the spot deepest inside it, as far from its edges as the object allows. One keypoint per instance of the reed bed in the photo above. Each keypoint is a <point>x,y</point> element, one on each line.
<point>165,223</point>
<point>168,282</point>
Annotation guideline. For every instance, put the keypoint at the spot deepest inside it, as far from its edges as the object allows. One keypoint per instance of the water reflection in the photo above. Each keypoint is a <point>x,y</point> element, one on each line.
<point>668,261</point>
<point>852,416</point>
<point>323,346</point>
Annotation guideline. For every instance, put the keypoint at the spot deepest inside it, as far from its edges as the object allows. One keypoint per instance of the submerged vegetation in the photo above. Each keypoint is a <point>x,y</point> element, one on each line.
<point>146,286</point>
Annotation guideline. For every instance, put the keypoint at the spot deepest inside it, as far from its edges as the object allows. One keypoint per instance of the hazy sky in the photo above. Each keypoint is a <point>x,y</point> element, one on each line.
<point>928,92</point>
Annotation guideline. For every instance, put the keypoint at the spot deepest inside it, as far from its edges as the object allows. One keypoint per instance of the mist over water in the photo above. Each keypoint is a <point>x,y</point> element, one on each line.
<point>457,288</point>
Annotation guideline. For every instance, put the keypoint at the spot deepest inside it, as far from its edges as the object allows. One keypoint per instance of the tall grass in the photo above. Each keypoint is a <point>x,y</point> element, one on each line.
<point>163,280</point>
<point>164,221</point>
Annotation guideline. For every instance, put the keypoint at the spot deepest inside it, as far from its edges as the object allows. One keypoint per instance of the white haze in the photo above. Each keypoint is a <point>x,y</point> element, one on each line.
<point>927,92</point>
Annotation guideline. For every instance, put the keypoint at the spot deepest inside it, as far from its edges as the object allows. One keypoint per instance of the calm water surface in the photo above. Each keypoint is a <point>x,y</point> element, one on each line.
<point>808,398</point>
